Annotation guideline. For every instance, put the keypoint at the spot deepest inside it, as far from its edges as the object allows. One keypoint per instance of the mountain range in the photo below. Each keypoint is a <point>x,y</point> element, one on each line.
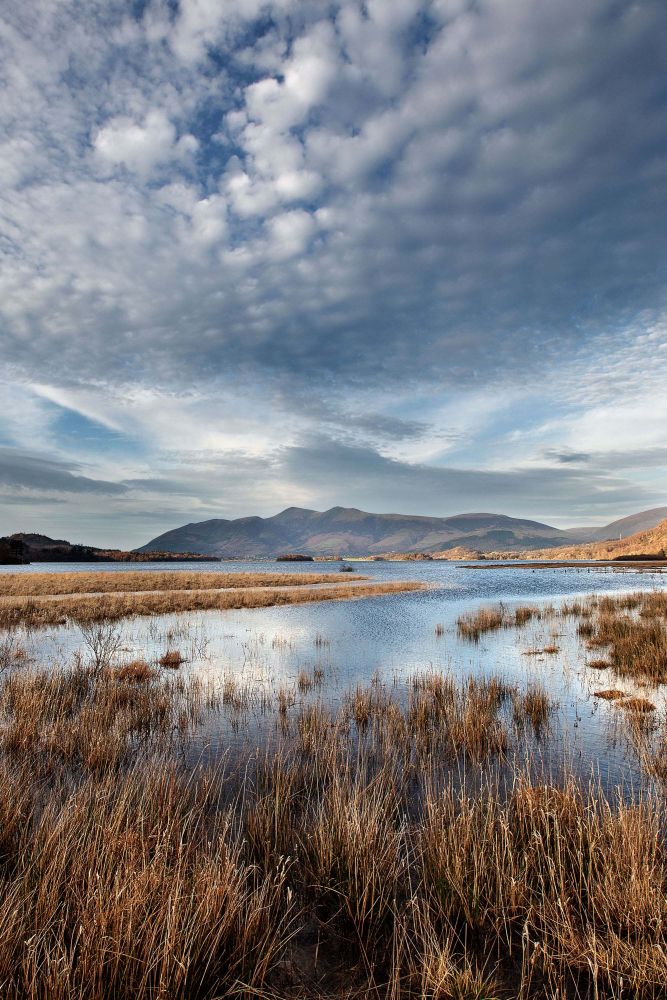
<point>351,532</point>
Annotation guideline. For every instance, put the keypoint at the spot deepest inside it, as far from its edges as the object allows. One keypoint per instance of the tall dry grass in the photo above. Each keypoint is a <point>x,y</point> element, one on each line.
<point>35,612</point>
<point>394,847</point>
<point>473,624</point>
<point>40,584</point>
<point>631,629</point>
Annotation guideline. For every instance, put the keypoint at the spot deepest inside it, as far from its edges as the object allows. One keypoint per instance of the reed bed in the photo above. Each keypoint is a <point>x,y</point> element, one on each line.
<point>344,862</point>
<point>631,629</point>
<point>473,624</point>
<point>42,584</point>
<point>36,612</point>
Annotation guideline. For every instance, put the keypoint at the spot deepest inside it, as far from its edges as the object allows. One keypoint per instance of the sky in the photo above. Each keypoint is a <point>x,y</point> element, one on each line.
<point>403,255</point>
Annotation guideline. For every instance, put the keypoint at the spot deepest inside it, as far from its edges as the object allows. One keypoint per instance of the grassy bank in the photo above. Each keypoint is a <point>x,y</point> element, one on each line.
<point>395,847</point>
<point>37,584</point>
<point>36,611</point>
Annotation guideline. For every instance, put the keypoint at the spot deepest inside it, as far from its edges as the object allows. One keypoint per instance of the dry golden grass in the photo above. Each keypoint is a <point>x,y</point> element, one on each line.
<point>135,670</point>
<point>172,659</point>
<point>610,694</point>
<point>36,612</point>
<point>333,866</point>
<point>638,705</point>
<point>473,624</point>
<point>535,706</point>
<point>42,584</point>
<point>598,664</point>
<point>632,628</point>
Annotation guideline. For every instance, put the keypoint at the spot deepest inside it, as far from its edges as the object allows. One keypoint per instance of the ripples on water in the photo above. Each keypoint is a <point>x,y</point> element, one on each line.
<point>347,643</point>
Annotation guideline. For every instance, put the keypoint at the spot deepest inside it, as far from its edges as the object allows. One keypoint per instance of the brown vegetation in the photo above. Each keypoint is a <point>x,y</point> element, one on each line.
<point>643,545</point>
<point>342,864</point>
<point>632,628</point>
<point>172,659</point>
<point>33,612</point>
<point>138,581</point>
<point>473,624</point>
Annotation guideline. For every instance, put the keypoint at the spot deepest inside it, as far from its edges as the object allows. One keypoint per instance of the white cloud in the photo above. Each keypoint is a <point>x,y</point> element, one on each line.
<point>140,147</point>
<point>402,205</point>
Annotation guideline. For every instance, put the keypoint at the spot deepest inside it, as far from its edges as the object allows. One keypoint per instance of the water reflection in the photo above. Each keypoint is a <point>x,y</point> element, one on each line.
<point>319,652</point>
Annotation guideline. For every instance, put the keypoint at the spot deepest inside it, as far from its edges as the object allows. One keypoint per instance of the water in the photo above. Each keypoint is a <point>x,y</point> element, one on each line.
<point>392,638</point>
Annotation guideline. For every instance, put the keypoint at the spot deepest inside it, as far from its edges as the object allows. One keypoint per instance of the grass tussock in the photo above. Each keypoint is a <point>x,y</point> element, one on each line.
<point>638,705</point>
<point>136,670</point>
<point>49,584</point>
<point>172,659</point>
<point>353,859</point>
<point>35,612</point>
<point>610,694</point>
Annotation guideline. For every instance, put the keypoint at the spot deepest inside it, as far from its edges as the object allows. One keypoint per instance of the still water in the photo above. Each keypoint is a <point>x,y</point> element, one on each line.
<point>390,638</point>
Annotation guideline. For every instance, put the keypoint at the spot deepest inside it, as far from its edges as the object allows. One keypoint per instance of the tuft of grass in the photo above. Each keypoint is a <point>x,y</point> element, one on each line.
<point>136,670</point>
<point>534,705</point>
<point>304,681</point>
<point>638,705</point>
<point>598,664</point>
<point>610,694</point>
<point>633,629</point>
<point>172,659</point>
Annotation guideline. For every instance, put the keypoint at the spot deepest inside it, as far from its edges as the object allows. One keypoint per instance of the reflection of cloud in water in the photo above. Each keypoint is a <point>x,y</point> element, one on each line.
<point>348,642</point>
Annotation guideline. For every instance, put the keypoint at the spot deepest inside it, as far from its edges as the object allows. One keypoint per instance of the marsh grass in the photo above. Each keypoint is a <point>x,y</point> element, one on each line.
<point>106,608</point>
<point>396,846</point>
<point>473,624</point>
<point>43,584</point>
<point>329,867</point>
<point>172,659</point>
<point>534,706</point>
<point>631,628</point>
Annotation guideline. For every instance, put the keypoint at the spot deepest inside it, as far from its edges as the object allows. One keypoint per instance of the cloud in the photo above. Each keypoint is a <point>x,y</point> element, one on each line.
<point>140,147</point>
<point>543,492</point>
<point>34,472</point>
<point>430,229</point>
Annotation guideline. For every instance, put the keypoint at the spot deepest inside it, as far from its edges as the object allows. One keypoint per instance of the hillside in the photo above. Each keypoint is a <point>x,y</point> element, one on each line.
<point>651,544</point>
<point>29,547</point>
<point>624,526</point>
<point>352,532</point>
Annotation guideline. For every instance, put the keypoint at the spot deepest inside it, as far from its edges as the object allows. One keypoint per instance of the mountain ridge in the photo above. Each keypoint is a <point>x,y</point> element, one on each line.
<point>350,531</point>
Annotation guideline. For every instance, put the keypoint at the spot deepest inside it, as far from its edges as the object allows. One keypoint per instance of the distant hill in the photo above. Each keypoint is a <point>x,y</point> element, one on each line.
<point>27,547</point>
<point>651,544</point>
<point>351,532</point>
<point>624,526</point>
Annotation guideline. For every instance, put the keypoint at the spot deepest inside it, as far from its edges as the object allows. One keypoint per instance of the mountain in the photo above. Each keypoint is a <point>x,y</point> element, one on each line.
<point>352,532</point>
<point>624,526</point>
<point>651,544</point>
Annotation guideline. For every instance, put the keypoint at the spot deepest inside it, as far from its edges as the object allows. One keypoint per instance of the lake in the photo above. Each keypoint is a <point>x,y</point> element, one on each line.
<point>391,638</point>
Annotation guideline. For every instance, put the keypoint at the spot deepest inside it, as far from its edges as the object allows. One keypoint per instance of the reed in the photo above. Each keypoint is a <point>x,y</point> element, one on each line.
<point>632,628</point>
<point>172,659</point>
<point>473,624</point>
<point>376,860</point>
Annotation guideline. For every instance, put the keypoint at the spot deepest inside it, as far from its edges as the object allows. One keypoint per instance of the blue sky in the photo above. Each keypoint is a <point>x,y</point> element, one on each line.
<point>407,255</point>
